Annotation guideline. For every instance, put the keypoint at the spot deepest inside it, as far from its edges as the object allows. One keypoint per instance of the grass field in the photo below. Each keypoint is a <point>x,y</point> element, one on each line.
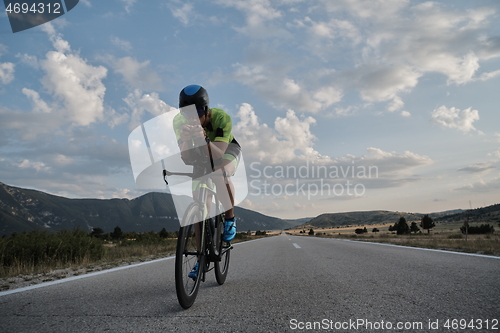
<point>445,236</point>
<point>25,273</point>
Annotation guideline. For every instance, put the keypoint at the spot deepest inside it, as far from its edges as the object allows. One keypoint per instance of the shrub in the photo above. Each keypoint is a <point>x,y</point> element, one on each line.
<point>360,231</point>
<point>482,229</point>
<point>41,247</point>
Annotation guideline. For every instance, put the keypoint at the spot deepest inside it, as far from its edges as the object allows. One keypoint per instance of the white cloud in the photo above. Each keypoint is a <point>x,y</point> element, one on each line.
<point>333,29</point>
<point>139,103</point>
<point>76,93</point>
<point>339,111</point>
<point>484,167</point>
<point>405,113</point>
<point>482,186</point>
<point>183,13</point>
<point>260,15</point>
<point>114,118</point>
<point>380,48</point>
<point>488,76</point>
<point>327,96</point>
<point>48,28</point>
<point>39,105</point>
<point>390,163</point>
<point>291,142</point>
<point>38,166</point>
<point>6,72</point>
<point>454,118</point>
<point>495,155</point>
<point>128,4</point>
<point>490,47</point>
<point>442,40</point>
<point>376,9</point>
<point>284,92</point>
<point>379,83</point>
<point>123,44</point>
<point>29,60</point>
<point>138,75</point>
<point>462,71</point>
<point>61,160</point>
<point>76,83</point>
<point>3,49</point>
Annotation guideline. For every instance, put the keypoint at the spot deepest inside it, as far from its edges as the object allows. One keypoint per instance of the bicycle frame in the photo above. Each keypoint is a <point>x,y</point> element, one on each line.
<point>207,226</point>
<point>206,245</point>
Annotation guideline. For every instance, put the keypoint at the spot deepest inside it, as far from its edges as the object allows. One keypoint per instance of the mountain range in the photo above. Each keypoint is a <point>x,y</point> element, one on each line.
<point>490,214</point>
<point>25,209</point>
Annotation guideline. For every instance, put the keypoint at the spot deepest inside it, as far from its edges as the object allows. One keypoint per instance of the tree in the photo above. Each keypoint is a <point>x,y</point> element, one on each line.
<point>482,229</point>
<point>414,227</point>
<point>163,233</point>
<point>401,227</point>
<point>375,230</point>
<point>97,233</point>
<point>427,223</point>
<point>311,232</point>
<point>360,231</point>
<point>117,233</point>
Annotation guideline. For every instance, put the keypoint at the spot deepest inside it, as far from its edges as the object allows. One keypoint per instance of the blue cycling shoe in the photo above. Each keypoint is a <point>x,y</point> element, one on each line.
<point>229,230</point>
<point>194,273</point>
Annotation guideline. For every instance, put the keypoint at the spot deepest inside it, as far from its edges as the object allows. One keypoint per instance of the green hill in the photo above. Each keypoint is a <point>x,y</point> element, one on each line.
<point>489,214</point>
<point>360,218</point>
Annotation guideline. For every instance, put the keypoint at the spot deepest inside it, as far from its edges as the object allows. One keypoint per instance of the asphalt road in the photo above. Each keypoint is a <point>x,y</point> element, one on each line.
<point>277,284</point>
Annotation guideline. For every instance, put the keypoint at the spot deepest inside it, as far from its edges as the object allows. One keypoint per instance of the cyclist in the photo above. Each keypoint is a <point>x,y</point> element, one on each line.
<point>215,126</point>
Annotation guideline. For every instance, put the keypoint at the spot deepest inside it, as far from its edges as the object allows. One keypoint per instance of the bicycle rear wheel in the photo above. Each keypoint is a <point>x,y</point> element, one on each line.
<point>188,253</point>
<point>222,249</point>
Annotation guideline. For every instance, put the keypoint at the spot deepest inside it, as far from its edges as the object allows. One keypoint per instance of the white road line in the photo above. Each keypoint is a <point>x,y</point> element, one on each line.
<point>424,249</point>
<point>72,278</point>
<point>294,244</point>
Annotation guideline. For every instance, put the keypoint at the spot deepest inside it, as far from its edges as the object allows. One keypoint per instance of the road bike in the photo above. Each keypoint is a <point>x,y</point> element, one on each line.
<point>205,246</point>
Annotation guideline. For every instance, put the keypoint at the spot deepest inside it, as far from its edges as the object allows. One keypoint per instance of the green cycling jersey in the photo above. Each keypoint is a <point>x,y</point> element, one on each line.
<point>218,129</point>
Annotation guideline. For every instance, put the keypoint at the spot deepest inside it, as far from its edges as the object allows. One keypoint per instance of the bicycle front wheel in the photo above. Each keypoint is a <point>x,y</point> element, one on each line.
<point>222,249</point>
<point>189,252</point>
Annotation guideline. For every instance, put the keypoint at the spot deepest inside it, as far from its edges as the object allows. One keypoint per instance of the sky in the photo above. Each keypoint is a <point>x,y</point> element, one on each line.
<point>347,105</point>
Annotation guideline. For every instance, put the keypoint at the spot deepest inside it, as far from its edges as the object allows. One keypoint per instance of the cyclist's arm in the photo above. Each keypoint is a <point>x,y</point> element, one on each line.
<point>185,142</point>
<point>223,125</point>
<point>218,149</point>
<point>185,147</point>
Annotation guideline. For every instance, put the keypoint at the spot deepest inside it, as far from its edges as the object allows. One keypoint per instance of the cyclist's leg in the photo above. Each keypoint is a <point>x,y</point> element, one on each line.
<point>222,179</point>
<point>226,197</point>
<point>224,169</point>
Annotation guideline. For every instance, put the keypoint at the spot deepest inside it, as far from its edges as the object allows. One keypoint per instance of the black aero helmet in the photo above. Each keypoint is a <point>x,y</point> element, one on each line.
<point>193,94</point>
